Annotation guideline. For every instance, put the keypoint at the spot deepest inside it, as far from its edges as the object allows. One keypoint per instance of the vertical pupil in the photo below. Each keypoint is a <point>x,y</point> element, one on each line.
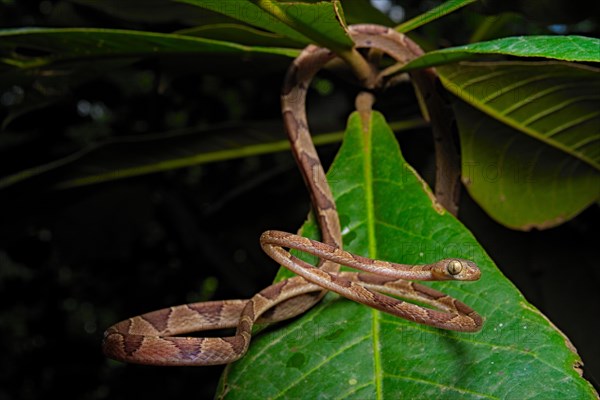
<point>454,267</point>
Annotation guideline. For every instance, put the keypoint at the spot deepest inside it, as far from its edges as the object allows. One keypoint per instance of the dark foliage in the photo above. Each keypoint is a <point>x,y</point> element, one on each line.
<point>73,262</point>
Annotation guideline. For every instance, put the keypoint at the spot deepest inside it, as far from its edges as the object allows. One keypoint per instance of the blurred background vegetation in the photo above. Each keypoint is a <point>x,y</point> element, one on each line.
<point>75,261</point>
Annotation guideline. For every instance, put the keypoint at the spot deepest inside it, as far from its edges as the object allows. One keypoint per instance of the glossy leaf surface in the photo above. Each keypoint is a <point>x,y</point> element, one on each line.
<point>517,180</point>
<point>565,48</point>
<point>531,157</point>
<point>33,47</point>
<point>344,350</point>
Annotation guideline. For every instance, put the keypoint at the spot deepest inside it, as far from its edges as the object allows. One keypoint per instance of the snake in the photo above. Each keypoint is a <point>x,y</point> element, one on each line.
<point>157,337</point>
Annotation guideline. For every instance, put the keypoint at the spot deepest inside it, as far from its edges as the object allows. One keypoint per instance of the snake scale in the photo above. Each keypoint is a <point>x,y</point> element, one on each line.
<point>152,338</point>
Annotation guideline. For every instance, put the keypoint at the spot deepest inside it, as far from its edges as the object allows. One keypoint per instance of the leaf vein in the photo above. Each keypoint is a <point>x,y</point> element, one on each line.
<point>443,386</point>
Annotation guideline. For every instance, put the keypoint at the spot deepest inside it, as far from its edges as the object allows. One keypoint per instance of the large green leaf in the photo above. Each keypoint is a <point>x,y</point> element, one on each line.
<point>344,350</point>
<point>534,161</point>
<point>304,22</point>
<point>248,12</point>
<point>300,21</point>
<point>517,180</point>
<point>34,47</point>
<point>555,103</point>
<point>322,21</point>
<point>566,48</point>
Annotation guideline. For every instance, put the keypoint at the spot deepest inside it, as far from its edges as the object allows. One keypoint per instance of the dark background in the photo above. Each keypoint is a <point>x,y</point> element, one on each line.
<point>73,262</point>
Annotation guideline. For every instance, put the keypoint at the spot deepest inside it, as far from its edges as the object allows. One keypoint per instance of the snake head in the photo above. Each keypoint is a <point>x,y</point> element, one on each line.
<point>456,269</point>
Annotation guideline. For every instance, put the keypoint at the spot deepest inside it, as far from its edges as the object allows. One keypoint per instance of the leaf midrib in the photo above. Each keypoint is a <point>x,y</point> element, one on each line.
<point>372,248</point>
<point>518,125</point>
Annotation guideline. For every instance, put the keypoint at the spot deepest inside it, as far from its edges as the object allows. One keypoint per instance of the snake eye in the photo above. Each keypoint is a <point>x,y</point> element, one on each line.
<point>454,267</point>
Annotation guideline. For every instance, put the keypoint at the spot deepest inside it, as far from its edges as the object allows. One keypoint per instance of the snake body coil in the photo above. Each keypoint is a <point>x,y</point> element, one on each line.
<point>151,338</point>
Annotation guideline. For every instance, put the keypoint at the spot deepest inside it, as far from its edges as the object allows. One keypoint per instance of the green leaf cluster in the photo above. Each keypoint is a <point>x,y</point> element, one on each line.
<point>529,139</point>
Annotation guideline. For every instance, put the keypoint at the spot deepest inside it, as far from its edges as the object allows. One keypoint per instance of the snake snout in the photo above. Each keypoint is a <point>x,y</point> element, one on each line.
<point>468,270</point>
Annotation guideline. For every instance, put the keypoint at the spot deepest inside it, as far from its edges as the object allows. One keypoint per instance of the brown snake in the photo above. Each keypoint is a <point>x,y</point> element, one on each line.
<point>151,338</point>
